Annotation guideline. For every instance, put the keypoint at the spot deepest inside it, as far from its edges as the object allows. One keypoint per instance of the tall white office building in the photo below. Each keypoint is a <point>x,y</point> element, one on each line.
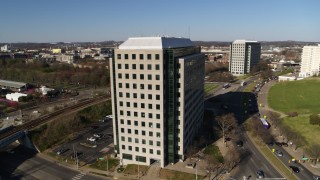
<point>310,61</point>
<point>243,56</point>
<point>158,98</point>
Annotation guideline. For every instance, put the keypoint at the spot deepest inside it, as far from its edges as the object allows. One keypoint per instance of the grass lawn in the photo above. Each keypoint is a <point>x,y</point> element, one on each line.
<point>132,169</point>
<point>301,125</point>
<point>214,151</point>
<point>103,164</point>
<point>177,175</point>
<point>300,96</point>
<point>209,87</point>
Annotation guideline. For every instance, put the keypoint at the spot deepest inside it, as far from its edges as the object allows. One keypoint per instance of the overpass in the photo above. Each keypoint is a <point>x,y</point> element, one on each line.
<point>20,136</point>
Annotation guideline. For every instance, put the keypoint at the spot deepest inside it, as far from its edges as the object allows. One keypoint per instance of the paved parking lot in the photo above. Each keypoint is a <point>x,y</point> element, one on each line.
<point>88,151</point>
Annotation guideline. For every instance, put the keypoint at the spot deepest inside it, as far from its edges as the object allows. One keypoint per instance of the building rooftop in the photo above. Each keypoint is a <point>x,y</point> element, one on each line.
<point>12,84</point>
<point>155,43</point>
<point>244,41</point>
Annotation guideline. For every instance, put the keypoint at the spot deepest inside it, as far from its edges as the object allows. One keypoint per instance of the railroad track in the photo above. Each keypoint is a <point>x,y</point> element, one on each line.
<point>48,117</point>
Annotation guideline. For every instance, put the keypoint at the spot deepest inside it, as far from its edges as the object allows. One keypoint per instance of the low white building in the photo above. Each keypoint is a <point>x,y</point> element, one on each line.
<point>14,96</point>
<point>4,48</point>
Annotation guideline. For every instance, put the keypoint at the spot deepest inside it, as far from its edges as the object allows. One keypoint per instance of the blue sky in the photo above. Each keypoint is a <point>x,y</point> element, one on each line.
<point>209,20</point>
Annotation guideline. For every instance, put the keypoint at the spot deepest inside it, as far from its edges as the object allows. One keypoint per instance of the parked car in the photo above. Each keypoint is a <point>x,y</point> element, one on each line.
<point>97,135</point>
<point>295,169</point>
<point>260,174</point>
<point>239,143</point>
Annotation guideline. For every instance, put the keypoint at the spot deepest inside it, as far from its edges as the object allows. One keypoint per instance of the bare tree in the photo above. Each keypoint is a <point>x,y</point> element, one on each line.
<point>299,141</point>
<point>211,165</point>
<point>227,123</point>
<point>233,158</point>
<point>274,118</point>
<point>314,151</point>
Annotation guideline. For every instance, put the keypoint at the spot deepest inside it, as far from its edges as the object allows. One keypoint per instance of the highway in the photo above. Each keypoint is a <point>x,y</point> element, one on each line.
<point>26,164</point>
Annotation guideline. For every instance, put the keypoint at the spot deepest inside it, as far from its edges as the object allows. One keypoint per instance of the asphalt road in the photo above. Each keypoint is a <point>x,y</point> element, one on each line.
<point>25,164</point>
<point>303,174</point>
<point>253,160</point>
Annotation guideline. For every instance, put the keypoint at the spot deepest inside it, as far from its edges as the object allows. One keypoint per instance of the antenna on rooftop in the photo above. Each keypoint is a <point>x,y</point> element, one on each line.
<point>189,31</point>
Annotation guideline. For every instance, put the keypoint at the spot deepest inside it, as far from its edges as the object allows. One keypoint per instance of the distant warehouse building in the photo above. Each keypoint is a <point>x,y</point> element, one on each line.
<point>15,86</point>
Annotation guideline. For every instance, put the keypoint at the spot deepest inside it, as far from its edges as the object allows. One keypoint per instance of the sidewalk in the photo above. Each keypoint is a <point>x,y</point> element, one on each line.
<point>297,154</point>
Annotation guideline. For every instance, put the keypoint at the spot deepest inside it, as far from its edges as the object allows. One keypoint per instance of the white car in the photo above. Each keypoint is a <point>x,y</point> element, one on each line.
<point>97,135</point>
<point>92,139</point>
<point>109,116</point>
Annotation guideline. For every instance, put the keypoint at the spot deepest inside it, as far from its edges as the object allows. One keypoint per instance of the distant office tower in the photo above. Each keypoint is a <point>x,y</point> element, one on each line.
<point>157,97</point>
<point>243,56</point>
<point>310,61</point>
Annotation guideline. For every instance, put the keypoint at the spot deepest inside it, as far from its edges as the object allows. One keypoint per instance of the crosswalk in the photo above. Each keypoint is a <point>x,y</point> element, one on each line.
<point>78,176</point>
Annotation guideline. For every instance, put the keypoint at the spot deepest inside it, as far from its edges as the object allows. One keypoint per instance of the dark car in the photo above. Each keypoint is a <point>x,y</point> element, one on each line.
<point>279,153</point>
<point>270,143</point>
<point>239,143</point>
<point>282,144</point>
<point>295,169</point>
<point>260,174</point>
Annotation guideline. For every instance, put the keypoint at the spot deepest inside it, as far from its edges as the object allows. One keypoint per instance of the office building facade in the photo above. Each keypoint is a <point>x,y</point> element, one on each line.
<point>157,97</point>
<point>243,56</point>
<point>310,61</point>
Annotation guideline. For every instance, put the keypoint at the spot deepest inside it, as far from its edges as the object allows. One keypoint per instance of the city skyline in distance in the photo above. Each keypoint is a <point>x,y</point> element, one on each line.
<point>96,21</point>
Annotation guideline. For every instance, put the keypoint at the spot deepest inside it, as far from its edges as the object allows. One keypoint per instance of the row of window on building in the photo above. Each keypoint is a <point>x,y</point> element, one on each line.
<point>141,66</point>
<point>141,56</point>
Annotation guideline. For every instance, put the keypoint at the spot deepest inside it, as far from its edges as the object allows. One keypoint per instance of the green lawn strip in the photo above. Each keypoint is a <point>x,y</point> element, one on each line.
<point>296,96</point>
<point>105,164</point>
<point>214,151</point>
<point>301,125</point>
<point>209,87</point>
<point>132,169</point>
<point>177,175</point>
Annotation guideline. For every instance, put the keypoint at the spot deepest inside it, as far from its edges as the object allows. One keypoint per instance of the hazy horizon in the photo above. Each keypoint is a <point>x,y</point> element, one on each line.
<point>96,21</point>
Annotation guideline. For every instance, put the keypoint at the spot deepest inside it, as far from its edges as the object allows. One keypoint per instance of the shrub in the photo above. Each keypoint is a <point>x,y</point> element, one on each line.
<point>314,119</point>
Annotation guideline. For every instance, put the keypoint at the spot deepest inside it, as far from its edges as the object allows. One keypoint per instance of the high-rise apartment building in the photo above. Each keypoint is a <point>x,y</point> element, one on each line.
<point>157,98</point>
<point>310,61</point>
<point>243,56</point>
